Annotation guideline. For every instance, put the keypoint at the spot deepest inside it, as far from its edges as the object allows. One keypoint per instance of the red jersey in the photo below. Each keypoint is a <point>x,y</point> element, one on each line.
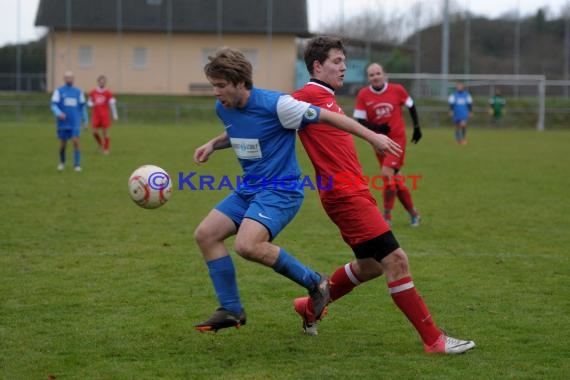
<point>331,150</point>
<point>101,99</point>
<point>384,107</point>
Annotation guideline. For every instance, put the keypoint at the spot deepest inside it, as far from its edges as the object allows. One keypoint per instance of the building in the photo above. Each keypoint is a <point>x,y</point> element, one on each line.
<point>161,46</point>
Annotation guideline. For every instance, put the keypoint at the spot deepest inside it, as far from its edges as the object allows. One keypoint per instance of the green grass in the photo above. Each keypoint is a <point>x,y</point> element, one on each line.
<point>94,287</point>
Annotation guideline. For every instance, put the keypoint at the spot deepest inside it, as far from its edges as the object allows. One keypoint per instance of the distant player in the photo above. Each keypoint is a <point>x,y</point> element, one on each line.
<point>68,106</point>
<point>379,108</point>
<point>496,106</point>
<point>102,100</point>
<point>461,104</point>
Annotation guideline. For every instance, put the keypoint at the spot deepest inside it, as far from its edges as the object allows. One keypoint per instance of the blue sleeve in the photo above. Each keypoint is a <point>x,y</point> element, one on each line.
<point>55,109</point>
<point>311,115</point>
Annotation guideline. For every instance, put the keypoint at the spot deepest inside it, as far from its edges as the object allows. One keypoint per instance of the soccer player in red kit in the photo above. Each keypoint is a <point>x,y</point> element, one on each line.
<point>379,108</point>
<point>102,100</point>
<point>353,208</point>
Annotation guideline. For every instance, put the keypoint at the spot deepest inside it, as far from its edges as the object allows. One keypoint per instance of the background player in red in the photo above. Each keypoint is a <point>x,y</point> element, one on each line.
<point>353,208</point>
<point>102,100</point>
<point>379,108</point>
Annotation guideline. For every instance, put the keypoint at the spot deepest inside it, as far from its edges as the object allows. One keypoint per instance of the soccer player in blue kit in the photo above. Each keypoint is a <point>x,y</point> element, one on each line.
<point>260,125</point>
<point>68,106</point>
<point>461,104</point>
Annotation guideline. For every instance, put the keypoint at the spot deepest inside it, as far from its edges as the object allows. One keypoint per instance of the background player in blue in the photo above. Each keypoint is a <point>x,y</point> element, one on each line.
<point>460,103</point>
<point>68,106</point>
<point>260,125</point>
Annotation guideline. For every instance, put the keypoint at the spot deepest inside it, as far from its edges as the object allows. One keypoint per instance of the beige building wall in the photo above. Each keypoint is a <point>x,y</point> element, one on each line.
<point>173,63</point>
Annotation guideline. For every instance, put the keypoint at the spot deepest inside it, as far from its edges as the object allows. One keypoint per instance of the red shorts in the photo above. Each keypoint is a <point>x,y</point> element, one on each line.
<point>391,161</point>
<point>357,217</point>
<point>100,122</point>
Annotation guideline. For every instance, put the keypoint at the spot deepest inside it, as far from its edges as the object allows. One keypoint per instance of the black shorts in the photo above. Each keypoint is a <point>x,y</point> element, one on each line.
<point>377,248</point>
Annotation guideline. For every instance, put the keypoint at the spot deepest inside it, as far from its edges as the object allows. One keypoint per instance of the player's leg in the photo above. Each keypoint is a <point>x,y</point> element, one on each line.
<point>62,146</point>
<point>458,133</point>
<point>463,132</point>
<point>266,217</point>
<point>210,235</point>
<point>106,139</point>
<point>96,125</point>
<point>359,221</point>
<point>405,196</point>
<point>76,150</point>
<point>388,194</point>
<point>404,294</point>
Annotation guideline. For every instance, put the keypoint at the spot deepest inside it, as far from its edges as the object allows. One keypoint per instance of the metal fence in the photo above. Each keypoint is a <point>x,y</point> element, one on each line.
<point>184,114</point>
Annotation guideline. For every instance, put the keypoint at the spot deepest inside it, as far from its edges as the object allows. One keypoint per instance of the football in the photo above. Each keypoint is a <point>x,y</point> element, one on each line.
<point>150,186</point>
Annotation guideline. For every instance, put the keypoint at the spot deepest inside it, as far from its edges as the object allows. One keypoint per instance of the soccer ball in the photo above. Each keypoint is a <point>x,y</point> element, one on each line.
<point>150,186</point>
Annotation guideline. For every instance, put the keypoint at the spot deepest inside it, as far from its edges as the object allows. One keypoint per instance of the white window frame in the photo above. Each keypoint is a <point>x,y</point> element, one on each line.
<point>85,56</point>
<point>140,58</point>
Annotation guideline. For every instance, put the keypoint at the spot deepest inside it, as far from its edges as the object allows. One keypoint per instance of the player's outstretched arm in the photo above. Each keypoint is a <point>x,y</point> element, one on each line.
<point>381,143</point>
<point>202,153</point>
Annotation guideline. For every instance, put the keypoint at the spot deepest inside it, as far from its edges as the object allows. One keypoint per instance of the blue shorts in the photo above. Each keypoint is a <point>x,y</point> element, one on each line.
<point>66,134</point>
<point>459,120</point>
<point>274,209</point>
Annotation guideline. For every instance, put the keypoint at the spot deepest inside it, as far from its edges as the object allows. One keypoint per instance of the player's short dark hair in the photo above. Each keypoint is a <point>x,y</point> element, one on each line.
<point>231,65</point>
<point>318,48</point>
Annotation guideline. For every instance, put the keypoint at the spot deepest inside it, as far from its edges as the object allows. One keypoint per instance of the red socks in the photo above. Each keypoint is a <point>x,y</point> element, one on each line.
<point>389,196</point>
<point>404,294</point>
<point>106,143</point>
<point>412,305</point>
<point>406,199</point>
<point>342,281</point>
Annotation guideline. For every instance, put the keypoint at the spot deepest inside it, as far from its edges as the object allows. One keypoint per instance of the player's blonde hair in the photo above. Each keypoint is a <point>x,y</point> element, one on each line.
<point>231,65</point>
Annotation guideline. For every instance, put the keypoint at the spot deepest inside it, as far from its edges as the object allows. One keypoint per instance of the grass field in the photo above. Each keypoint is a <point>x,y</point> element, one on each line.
<point>94,287</point>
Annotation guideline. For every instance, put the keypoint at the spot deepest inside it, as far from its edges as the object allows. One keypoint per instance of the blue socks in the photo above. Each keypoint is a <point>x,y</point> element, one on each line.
<point>223,275</point>
<point>76,157</point>
<point>291,268</point>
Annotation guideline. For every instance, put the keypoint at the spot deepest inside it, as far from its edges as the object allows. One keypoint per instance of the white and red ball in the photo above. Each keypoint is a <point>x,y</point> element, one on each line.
<point>150,186</point>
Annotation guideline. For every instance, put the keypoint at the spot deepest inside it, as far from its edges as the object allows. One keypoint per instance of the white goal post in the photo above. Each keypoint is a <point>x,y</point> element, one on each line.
<point>424,84</point>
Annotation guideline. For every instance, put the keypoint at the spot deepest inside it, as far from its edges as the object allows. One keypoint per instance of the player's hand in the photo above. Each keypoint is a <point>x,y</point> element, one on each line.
<point>417,136</point>
<point>381,128</point>
<point>61,116</point>
<point>383,144</point>
<point>201,154</point>
<point>450,113</point>
<point>85,125</point>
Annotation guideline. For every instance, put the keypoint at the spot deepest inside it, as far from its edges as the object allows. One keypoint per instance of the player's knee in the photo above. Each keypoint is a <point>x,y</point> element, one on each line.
<point>245,248</point>
<point>203,235</point>
<point>396,264</point>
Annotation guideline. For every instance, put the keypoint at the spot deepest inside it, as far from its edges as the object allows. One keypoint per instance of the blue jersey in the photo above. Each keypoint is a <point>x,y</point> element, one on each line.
<point>71,101</point>
<point>460,103</point>
<point>263,135</point>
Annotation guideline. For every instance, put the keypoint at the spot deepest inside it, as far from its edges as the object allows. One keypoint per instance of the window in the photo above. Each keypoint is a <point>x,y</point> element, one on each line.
<point>85,56</point>
<point>140,58</point>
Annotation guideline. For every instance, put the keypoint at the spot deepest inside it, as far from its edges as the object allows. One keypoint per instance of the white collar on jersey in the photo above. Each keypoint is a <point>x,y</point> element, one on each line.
<point>322,84</point>
<point>383,89</point>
